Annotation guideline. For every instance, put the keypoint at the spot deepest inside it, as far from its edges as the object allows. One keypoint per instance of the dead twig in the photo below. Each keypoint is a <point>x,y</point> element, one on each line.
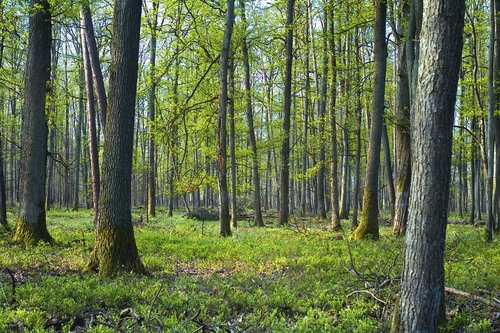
<point>369,293</point>
<point>480,299</point>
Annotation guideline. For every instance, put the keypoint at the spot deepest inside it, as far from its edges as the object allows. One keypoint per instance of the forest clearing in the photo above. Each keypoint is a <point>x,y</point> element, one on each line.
<point>302,278</point>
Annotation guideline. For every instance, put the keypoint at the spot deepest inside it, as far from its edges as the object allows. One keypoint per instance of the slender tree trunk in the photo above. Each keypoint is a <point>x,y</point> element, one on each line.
<point>3,201</point>
<point>497,116</point>
<point>257,217</point>
<point>92,131</point>
<point>358,133</point>
<point>369,217</point>
<point>490,223</point>
<point>232,144</point>
<point>115,247</point>
<point>78,140</point>
<point>285,148</point>
<point>334,183</point>
<point>422,286</point>
<point>388,170</point>
<point>152,99</point>
<point>31,224</point>
<point>225,223</point>
<point>321,125</point>
<point>97,78</point>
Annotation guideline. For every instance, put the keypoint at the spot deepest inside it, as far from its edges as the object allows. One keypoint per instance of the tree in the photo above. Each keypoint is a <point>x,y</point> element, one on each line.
<point>257,215</point>
<point>334,196</point>
<point>115,246</point>
<point>91,121</point>
<point>225,222</point>
<point>285,147</point>
<point>422,285</point>
<point>369,218</point>
<point>31,224</point>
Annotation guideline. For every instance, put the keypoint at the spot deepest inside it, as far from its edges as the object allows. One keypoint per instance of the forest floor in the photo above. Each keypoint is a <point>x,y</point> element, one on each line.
<point>302,278</point>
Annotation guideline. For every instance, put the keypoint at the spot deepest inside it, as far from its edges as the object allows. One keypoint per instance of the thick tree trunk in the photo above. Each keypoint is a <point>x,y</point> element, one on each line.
<point>225,223</point>
<point>92,134</point>
<point>285,148</point>
<point>422,286</point>
<point>257,215</point>
<point>369,217</point>
<point>115,247</point>
<point>31,224</point>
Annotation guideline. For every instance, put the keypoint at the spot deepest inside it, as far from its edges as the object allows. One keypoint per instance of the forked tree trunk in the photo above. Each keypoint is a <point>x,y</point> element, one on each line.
<point>369,217</point>
<point>31,224</point>
<point>422,286</point>
<point>115,248</point>
<point>224,218</point>
<point>257,215</point>
<point>92,134</point>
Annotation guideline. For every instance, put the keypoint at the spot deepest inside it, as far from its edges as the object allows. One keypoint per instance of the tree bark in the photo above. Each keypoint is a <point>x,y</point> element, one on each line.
<point>358,133</point>
<point>422,286</point>
<point>115,247</point>
<point>224,218</point>
<point>490,223</point>
<point>388,170</point>
<point>31,224</point>
<point>369,217</point>
<point>285,148</point>
<point>78,140</point>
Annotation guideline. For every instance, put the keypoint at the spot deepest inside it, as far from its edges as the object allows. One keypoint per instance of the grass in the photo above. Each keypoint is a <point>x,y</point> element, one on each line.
<point>297,279</point>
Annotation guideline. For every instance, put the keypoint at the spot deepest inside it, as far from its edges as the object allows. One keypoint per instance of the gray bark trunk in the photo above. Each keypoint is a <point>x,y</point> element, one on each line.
<point>115,246</point>
<point>422,286</point>
<point>31,224</point>
<point>369,217</point>
<point>225,223</point>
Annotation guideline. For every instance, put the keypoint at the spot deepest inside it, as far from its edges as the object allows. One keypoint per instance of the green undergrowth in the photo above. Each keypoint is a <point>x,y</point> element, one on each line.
<point>302,278</point>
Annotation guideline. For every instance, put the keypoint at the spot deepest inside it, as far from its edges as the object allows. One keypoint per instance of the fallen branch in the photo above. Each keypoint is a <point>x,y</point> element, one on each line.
<point>369,293</point>
<point>465,294</point>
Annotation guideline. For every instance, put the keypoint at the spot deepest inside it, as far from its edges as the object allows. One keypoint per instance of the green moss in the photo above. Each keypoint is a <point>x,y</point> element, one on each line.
<point>28,234</point>
<point>368,226</point>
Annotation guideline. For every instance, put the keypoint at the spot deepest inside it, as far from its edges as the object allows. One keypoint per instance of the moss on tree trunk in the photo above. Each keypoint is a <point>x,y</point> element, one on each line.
<point>368,225</point>
<point>29,234</point>
<point>115,250</point>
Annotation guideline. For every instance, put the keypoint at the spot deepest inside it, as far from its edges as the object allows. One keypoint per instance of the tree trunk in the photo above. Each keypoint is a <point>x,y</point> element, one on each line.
<point>422,286</point>
<point>334,182</point>
<point>369,217</point>
<point>321,125</point>
<point>490,223</point>
<point>78,140</point>
<point>225,223</point>
<point>232,145</point>
<point>31,224</point>
<point>388,170</point>
<point>151,103</point>
<point>97,78</point>
<point>115,248</point>
<point>92,134</point>
<point>359,115</point>
<point>257,215</point>
<point>3,202</point>
<point>285,148</point>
